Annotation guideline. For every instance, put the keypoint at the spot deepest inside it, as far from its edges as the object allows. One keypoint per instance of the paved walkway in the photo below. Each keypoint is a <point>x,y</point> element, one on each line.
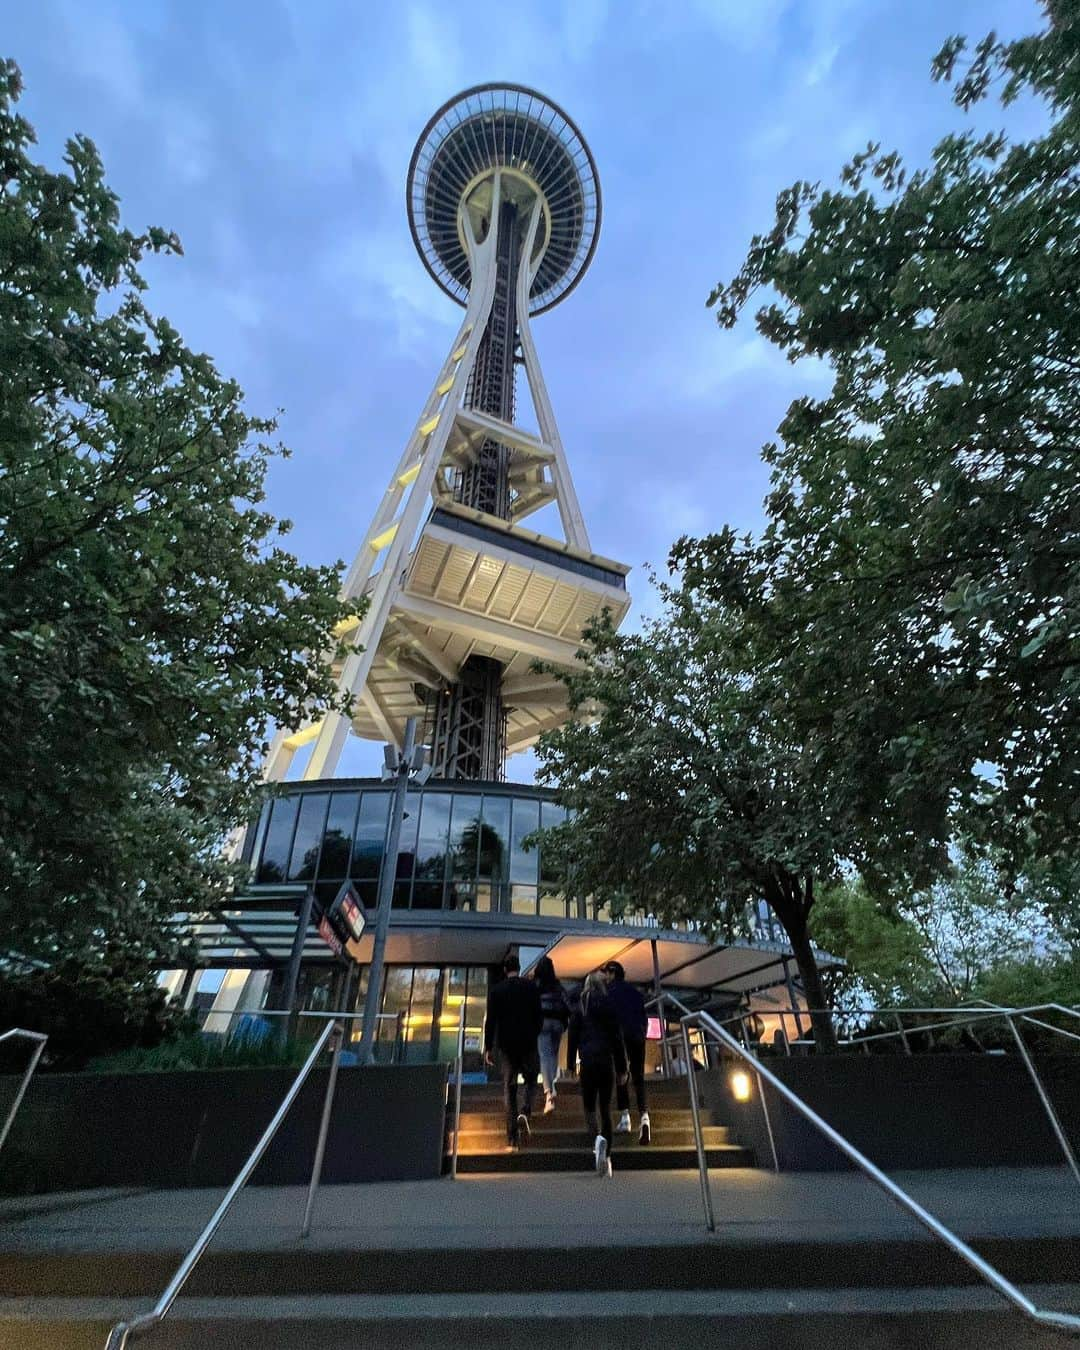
<point>551,1210</point>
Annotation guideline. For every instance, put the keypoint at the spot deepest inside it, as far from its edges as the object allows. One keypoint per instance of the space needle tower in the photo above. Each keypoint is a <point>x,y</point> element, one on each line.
<point>457,596</point>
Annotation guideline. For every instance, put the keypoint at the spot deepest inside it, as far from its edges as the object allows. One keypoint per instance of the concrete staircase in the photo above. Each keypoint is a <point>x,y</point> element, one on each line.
<point>664,1296</point>
<point>561,1143</point>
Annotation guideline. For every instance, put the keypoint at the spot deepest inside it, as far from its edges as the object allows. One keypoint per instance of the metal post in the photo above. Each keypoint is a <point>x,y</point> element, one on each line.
<point>457,1087</point>
<point>386,896</point>
<point>1048,1106</point>
<point>791,997</point>
<point>768,1122</point>
<point>699,1141</point>
<point>292,974</point>
<point>324,1129</point>
<point>658,994</point>
<point>28,1073</point>
<point>184,991</point>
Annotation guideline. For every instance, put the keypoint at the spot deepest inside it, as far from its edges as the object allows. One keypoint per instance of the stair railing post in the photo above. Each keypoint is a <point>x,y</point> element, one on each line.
<point>1047,1104</point>
<point>457,1090</point>
<point>699,1140</point>
<point>324,1129</point>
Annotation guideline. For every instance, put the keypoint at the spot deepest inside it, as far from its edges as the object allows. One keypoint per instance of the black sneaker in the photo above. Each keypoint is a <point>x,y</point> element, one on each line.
<point>524,1130</point>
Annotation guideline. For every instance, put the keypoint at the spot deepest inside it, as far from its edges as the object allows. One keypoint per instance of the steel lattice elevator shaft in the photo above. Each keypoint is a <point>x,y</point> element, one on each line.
<point>466,720</point>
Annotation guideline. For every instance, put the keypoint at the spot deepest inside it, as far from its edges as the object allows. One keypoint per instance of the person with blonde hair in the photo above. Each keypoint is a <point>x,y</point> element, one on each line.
<point>603,1062</point>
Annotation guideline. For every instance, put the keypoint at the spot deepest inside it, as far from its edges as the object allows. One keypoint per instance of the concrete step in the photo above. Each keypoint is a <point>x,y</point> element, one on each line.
<point>578,1158</point>
<point>570,1116</point>
<point>878,1318</point>
<point>489,1139</point>
<point>614,1266</point>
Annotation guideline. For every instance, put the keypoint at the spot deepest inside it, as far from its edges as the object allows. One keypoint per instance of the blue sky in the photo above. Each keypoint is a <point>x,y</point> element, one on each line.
<point>274,137</point>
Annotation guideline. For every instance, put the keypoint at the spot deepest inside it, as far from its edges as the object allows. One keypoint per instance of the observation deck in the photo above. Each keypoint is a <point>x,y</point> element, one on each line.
<point>541,153</point>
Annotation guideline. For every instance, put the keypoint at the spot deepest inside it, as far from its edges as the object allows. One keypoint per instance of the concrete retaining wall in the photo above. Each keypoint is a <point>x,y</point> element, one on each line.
<point>196,1128</point>
<point>908,1112</point>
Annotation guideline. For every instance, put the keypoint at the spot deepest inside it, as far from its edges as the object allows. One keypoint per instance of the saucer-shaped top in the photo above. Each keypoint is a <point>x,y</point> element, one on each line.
<point>508,126</point>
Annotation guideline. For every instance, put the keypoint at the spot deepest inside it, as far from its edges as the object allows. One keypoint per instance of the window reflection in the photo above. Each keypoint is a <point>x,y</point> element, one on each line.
<point>461,851</point>
<point>370,840</point>
<point>279,835</point>
<point>526,821</point>
<point>464,851</point>
<point>431,849</point>
<point>337,837</point>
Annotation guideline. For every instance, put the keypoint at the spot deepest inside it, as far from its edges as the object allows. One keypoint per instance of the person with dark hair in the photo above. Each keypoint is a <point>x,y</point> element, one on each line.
<point>630,1009</point>
<point>603,1063</point>
<point>512,1026</point>
<point>556,1016</point>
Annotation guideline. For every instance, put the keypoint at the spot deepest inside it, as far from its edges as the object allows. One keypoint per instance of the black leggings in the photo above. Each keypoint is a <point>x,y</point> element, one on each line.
<point>635,1058</point>
<point>597,1080</point>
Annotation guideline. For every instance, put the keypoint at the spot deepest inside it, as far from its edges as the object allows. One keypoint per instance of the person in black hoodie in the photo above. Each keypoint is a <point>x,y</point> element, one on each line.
<point>630,1010</point>
<point>513,1022</point>
<point>599,1043</point>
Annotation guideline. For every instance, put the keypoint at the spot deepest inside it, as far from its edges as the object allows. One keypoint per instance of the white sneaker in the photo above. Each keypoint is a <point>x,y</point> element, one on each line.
<point>645,1133</point>
<point>549,1103</point>
<point>623,1126</point>
<point>600,1157</point>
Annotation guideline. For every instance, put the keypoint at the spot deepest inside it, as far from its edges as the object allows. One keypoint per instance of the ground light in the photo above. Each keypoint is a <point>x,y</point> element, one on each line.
<point>740,1085</point>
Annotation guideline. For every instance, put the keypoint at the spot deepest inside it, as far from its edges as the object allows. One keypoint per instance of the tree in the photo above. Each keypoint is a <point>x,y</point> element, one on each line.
<point>689,799</point>
<point>150,622</point>
<point>943,945</point>
<point>921,565</point>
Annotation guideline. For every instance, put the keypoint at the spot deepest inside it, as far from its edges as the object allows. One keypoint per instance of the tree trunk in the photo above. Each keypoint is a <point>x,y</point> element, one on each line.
<point>820,1017</point>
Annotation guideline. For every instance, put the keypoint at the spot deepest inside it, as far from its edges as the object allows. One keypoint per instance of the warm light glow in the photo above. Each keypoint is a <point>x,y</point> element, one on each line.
<point>444,388</point>
<point>299,738</point>
<point>426,428</point>
<point>459,353</point>
<point>740,1085</point>
<point>409,476</point>
<point>381,540</point>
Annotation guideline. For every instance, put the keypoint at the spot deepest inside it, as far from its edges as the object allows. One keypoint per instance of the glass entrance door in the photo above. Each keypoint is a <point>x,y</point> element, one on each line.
<point>421,1005</point>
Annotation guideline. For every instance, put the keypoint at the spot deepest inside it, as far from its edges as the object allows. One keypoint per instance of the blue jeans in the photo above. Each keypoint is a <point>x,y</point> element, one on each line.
<point>548,1045</point>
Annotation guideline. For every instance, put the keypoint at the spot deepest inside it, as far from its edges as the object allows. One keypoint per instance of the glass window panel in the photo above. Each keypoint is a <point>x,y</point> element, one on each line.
<point>495,839</point>
<point>483,899</point>
<point>431,843</point>
<point>370,839</point>
<point>257,836</point>
<point>427,895</point>
<point>523,864</point>
<point>420,1024</point>
<point>550,816</point>
<point>465,834</point>
<point>552,904</point>
<point>308,837</point>
<point>460,895</point>
<point>337,837</point>
<point>275,858</point>
<point>523,899</point>
<point>407,847</point>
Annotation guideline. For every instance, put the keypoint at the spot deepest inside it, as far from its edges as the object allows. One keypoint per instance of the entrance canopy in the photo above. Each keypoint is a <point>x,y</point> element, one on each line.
<point>683,961</point>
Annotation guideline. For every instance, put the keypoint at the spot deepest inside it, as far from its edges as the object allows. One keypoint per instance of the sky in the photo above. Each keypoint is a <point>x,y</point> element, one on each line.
<point>274,138</point>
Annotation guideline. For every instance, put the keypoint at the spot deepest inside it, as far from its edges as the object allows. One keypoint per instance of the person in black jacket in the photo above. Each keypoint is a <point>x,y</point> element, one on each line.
<point>514,1019</point>
<point>603,1061</point>
<point>630,1010</point>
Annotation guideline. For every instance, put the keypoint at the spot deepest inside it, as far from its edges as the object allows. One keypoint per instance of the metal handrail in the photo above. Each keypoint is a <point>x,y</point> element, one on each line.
<point>459,1062</point>
<point>1044,1317</point>
<point>39,1037</point>
<point>122,1332</point>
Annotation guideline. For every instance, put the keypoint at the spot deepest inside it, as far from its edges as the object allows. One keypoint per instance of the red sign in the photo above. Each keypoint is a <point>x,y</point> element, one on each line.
<point>329,936</point>
<point>654,1031</point>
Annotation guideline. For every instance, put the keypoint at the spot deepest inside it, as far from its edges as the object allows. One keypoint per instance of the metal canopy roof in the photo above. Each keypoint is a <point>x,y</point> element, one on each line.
<point>685,961</point>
